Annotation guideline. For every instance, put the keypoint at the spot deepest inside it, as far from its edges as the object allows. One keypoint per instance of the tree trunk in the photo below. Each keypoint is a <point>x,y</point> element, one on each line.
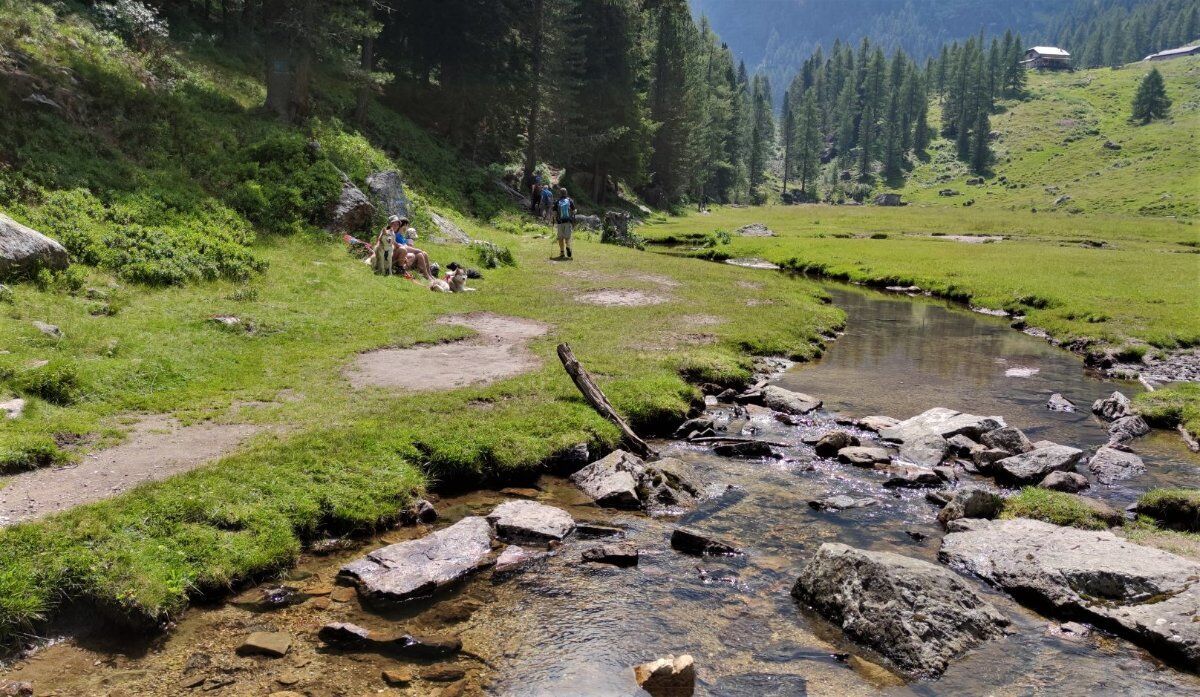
<point>535,96</point>
<point>595,397</point>
<point>367,63</point>
<point>289,60</point>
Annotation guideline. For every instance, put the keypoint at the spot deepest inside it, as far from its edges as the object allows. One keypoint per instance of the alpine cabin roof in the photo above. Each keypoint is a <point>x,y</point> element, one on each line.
<point>1182,50</point>
<point>1050,51</point>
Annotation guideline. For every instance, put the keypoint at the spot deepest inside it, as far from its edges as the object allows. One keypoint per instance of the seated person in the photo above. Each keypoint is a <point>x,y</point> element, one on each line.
<point>407,254</point>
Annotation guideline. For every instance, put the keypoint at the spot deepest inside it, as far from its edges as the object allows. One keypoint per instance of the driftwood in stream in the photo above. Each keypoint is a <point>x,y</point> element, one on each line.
<point>1192,444</point>
<point>736,439</point>
<point>595,397</point>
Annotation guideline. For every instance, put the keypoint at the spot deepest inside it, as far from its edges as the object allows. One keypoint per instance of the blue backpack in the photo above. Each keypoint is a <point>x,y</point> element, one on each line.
<point>564,210</point>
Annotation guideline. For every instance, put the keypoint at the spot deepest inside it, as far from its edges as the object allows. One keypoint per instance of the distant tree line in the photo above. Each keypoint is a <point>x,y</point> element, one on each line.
<point>1114,32</point>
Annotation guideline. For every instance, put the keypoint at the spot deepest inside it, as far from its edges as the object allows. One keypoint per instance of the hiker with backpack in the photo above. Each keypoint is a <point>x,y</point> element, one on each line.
<point>564,217</point>
<point>547,205</point>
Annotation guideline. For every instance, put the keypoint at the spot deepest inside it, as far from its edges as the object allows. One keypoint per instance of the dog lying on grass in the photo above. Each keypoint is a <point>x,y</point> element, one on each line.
<point>455,282</point>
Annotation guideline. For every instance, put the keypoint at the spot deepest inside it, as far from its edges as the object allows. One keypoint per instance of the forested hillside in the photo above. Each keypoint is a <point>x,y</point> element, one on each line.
<point>777,37</point>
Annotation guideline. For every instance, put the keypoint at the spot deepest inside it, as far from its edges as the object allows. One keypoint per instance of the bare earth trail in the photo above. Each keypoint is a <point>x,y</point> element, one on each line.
<point>158,447</point>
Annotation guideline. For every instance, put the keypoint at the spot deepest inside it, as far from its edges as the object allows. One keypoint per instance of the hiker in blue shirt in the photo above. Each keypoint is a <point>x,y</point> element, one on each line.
<point>547,202</point>
<point>564,216</point>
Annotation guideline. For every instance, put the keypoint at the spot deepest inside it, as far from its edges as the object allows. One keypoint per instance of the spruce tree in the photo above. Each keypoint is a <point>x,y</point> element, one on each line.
<point>1151,101</point>
<point>808,146</point>
<point>981,153</point>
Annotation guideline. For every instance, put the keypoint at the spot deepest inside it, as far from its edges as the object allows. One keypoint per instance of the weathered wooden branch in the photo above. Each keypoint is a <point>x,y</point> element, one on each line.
<point>737,439</point>
<point>1192,443</point>
<point>595,397</point>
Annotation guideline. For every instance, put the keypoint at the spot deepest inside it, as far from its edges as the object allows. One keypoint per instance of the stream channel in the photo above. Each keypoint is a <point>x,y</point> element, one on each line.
<point>563,627</point>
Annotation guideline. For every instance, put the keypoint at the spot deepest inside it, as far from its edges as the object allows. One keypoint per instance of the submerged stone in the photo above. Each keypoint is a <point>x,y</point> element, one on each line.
<point>788,402</point>
<point>667,677</point>
<point>530,520</point>
<point>692,542</point>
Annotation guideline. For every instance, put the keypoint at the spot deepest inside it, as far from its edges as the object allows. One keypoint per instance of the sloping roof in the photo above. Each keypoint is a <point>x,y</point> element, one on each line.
<point>1050,51</point>
<point>1173,51</point>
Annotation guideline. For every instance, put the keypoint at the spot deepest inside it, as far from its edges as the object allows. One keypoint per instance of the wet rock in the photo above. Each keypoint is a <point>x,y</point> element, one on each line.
<point>1032,467</point>
<point>693,542</point>
<point>330,545</point>
<point>943,422</point>
<point>860,456</point>
<point>692,425</point>
<point>617,553</point>
<point>926,450</point>
<point>352,211</point>
<point>971,503</point>
<point>425,647</point>
<point>597,530</point>
<point>397,677</point>
<point>961,445</point>
<point>877,423</point>
<point>912,478</point>
<point>425,512</point>
<point>515,557</point>
<point>940,497</point>
<point>747,451</point>
<point>661,484</point>
<point>1008,439</point>
<point>417,568</point>
<point>272,644</point>
<point>829,444</point>
<point>342,594</point>
<point>919,615</point>
<point>1111,465</point>
<point>530,520</point>
<point>612,481</point>
<point>443,674</point>
<point>667,677</point>
<point>985,459</point>
<point>841,502</point>
<point>788,402</point>
<point>344,635</point>
<point>1145,594</point>
<point>1113,407</point>
<point>23,250</point>
<point>1057,402</point>
<point>1068,482</point>
<point>386,190</point>
<point>1127,428</point>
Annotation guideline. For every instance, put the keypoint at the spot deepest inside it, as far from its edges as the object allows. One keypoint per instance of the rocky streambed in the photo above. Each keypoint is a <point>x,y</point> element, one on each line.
<point>819,551</point>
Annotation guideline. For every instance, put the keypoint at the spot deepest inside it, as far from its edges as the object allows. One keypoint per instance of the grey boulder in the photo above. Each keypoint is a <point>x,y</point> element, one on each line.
<point>1068,482</point>
<point>943,422</point>
<point>612,481</point>
<point>876,423</point>
<point>862,456</point>
<point>926,450</point>
<point>1111,465</point>
<point>1008,439</point>
<point>530,520</point>
<point>971,503</point>
<point>386,190</point>
<point>919,615</point>
<point>1145,594</point>
<point>1057,402</point>
<point>352,211</point>
<point>1033,466</point>
<point>1113,407</point>
<point>416,568</point>
<point>913,478</point>
<point>23,250</point>
<point>829,444</point>
<point>788,402</point>
<point>1127,428</point>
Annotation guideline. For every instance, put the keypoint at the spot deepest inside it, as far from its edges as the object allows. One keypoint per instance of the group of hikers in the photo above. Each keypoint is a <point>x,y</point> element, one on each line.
<point>560,211</point>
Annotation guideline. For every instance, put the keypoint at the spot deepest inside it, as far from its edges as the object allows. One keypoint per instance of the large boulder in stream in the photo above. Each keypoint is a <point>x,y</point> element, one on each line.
<point>529,520</point>
<point>416,568</point>
<point>927,450</point>
<point>624,480</point>
<point>1145,594</point>
<point>23,250</point>
<point>919,615</point>
<point>1111,465</point>
<point>1113,407</point>
<point>1032,467</point>
<point>943,422</point>
<point>788,402</point>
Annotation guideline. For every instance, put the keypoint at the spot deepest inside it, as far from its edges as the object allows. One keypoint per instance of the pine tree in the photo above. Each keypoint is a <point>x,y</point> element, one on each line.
<point>1151,101</point>
<point>981,153</point>
<point>762,133</point>
<point>787,122</point>
<point>808,146</point>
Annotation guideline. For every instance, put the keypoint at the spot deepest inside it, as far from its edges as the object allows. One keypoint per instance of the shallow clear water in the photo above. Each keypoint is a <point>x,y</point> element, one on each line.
<point>562,627</point>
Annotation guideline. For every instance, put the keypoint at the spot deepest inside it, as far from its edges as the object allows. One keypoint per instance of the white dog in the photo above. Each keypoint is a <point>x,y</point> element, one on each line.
<point>385,249</point>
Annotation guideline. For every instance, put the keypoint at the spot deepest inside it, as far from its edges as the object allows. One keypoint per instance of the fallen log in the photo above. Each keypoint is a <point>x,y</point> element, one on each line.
<point>1192,443</point>
<point>738,439</point>
<point>595,397</point>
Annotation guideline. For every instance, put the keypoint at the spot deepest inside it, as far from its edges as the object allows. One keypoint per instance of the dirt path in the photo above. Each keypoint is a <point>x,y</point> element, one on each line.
<point>158,447</point>
<point>499,351</point>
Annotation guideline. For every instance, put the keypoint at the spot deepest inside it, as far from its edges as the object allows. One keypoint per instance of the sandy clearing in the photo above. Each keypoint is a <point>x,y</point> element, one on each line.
<point>157,447</point>
<point>621,298</point>
<point>499,350</point>
<point>970,239</point>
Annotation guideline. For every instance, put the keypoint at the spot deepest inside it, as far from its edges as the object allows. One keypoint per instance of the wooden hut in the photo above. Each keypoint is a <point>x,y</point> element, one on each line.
<point>1047,58</point>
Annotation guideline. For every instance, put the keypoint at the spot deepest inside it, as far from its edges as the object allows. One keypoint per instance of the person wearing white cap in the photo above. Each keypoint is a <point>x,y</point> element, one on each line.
<point>406,253</point>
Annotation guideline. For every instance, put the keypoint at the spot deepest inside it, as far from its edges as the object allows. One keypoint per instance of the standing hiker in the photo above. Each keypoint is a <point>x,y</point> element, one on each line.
<point>564,214</point>
<point>547,203</point>
<point>535,200</point>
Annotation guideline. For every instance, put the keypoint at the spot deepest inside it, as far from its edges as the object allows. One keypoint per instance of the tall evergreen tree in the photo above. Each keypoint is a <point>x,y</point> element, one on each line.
<point>808,145</point>
<point>762,134</point>
<point>1151,101</point>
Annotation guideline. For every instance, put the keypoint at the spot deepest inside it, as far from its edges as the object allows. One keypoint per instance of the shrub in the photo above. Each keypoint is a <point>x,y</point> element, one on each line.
<point>133,21</point>
<point>1060,508</point>
<point>57,383</point>
<point>281,183</point>
<point>21,453</point>
<point>493,256</point>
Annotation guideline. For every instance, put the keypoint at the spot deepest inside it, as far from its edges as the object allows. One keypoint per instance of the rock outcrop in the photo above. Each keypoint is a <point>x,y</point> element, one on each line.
<point>352,212</point>
<point>23,250</point>
<point>1032,467</point>
<point>919,615</point>
<point>416,568</point>
<point>943,422</point>
<point>524,520</point>
<point>971,503</point>
<point>446,232</point>
<point>1145,594</point>
<point>623,480</point>
<point>386,190</point>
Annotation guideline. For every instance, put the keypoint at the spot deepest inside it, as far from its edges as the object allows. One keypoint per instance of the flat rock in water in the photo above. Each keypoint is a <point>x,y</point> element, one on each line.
<point>971,503</point>
<point>273,644</point>
<point>926,450</point>
<point>616,553</point>
<point>1057,402</point>
<point>612,481</point>
<point>417,568</point>
<point>788,402</point>
<point>662,484</point>
<point>515,557</point>
<point>862,456</point>
<point>667,677</point>
<point>692,542</point>
<point>1069,482</point>
<point>1032,467</point>
<point>913,478</point>
<point>921,616</point>
<point>1111,465</point>
<point>841,502</point>
<point>943,422</point>
<point>530,520</point>
<point>877,423</point>
<point>1145,594</point>
<point>829,444</point>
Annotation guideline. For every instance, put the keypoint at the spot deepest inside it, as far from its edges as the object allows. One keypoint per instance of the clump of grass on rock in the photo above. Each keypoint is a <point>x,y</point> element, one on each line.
<point>1059,508</point>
